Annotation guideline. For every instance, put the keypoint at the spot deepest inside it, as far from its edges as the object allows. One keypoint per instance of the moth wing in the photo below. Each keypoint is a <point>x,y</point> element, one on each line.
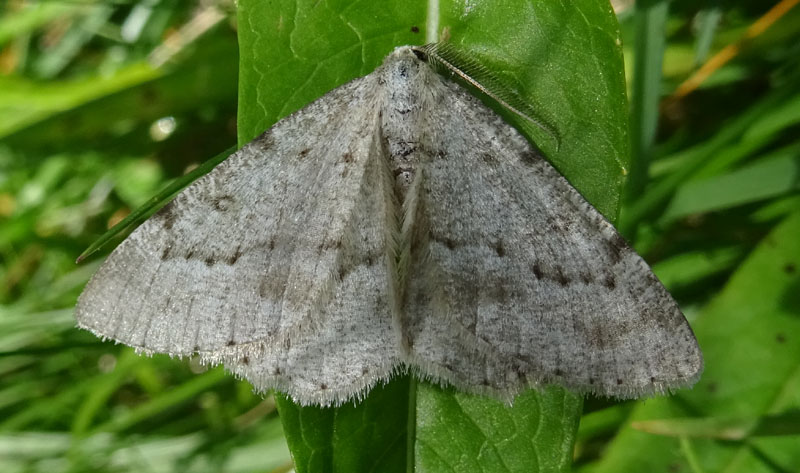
<point>358,344</point>
<point>263,254</point>
<point>515,280</point>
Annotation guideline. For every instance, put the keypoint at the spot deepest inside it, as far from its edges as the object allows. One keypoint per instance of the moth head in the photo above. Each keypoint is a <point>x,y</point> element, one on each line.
<point>406,64</point>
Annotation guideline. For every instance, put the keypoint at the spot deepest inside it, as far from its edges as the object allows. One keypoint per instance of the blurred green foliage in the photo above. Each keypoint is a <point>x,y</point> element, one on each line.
<point>102,103</point>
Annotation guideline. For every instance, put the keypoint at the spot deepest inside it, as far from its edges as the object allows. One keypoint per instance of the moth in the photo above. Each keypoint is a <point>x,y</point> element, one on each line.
<point>395,223</point>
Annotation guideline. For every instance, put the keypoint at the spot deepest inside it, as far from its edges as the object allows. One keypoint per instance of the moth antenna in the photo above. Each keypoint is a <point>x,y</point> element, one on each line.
<point>446,57</point>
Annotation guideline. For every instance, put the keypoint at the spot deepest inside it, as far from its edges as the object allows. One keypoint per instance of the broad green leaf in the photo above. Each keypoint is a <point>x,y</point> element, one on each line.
<point>749,337</point>
<point>369,435</point>
<point>565,60</point>
<point>458,432</point>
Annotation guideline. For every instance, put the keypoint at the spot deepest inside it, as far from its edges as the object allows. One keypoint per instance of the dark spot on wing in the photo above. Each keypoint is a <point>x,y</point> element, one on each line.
<point>245,360</point>
<point>166,252</point>
<point>222,203</point>
<point>619,381</point>
<point>530,157</point>
<point>196,348</point>
<point>537,271</point>
<point>347,157</point>
<point>265,140</point>
<point>190,254</point>
<point>498,248</point>
<point>446,241</point>
<point>597,334</point>
<point>488,159</point>
<point>591,380</point>
<point>364,370</point>
<point>415,29</point>
<point>329,245</point>
<point>615,246</point>
<point>303,153</point>
<point>558,372</point>
<point>586,277</point>
<point>276,371</point>
<point>323,386</point>
<point>609,281</point>
<point>441,154</point>
<point>167,215</point>
<point>210,261</point>
<point>230,343</point>
<point>500,293</point>
<point>652,379</point>
<point>235,256</point>
<point>560,277</point>
<point>271,244</point>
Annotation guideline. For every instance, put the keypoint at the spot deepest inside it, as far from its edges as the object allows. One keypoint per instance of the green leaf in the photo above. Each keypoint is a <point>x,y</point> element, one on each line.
<point>565,61</point>
<point>743,134</point>
<point>725,428</point>
<point>651,18</point>
<point>26,20</point>
<point>459,432</point>
<point>23,108</point>
<point>69,113</point>
<point>690,267</point>
<point>369,435</point>
<point>749,336</point>
<point>769,176</point>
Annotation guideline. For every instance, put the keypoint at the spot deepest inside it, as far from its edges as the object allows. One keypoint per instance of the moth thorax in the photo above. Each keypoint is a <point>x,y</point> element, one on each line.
<point>403,157</point>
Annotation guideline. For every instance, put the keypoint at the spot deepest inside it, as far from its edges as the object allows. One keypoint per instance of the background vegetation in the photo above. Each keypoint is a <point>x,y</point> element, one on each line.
<point>102,102</point>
